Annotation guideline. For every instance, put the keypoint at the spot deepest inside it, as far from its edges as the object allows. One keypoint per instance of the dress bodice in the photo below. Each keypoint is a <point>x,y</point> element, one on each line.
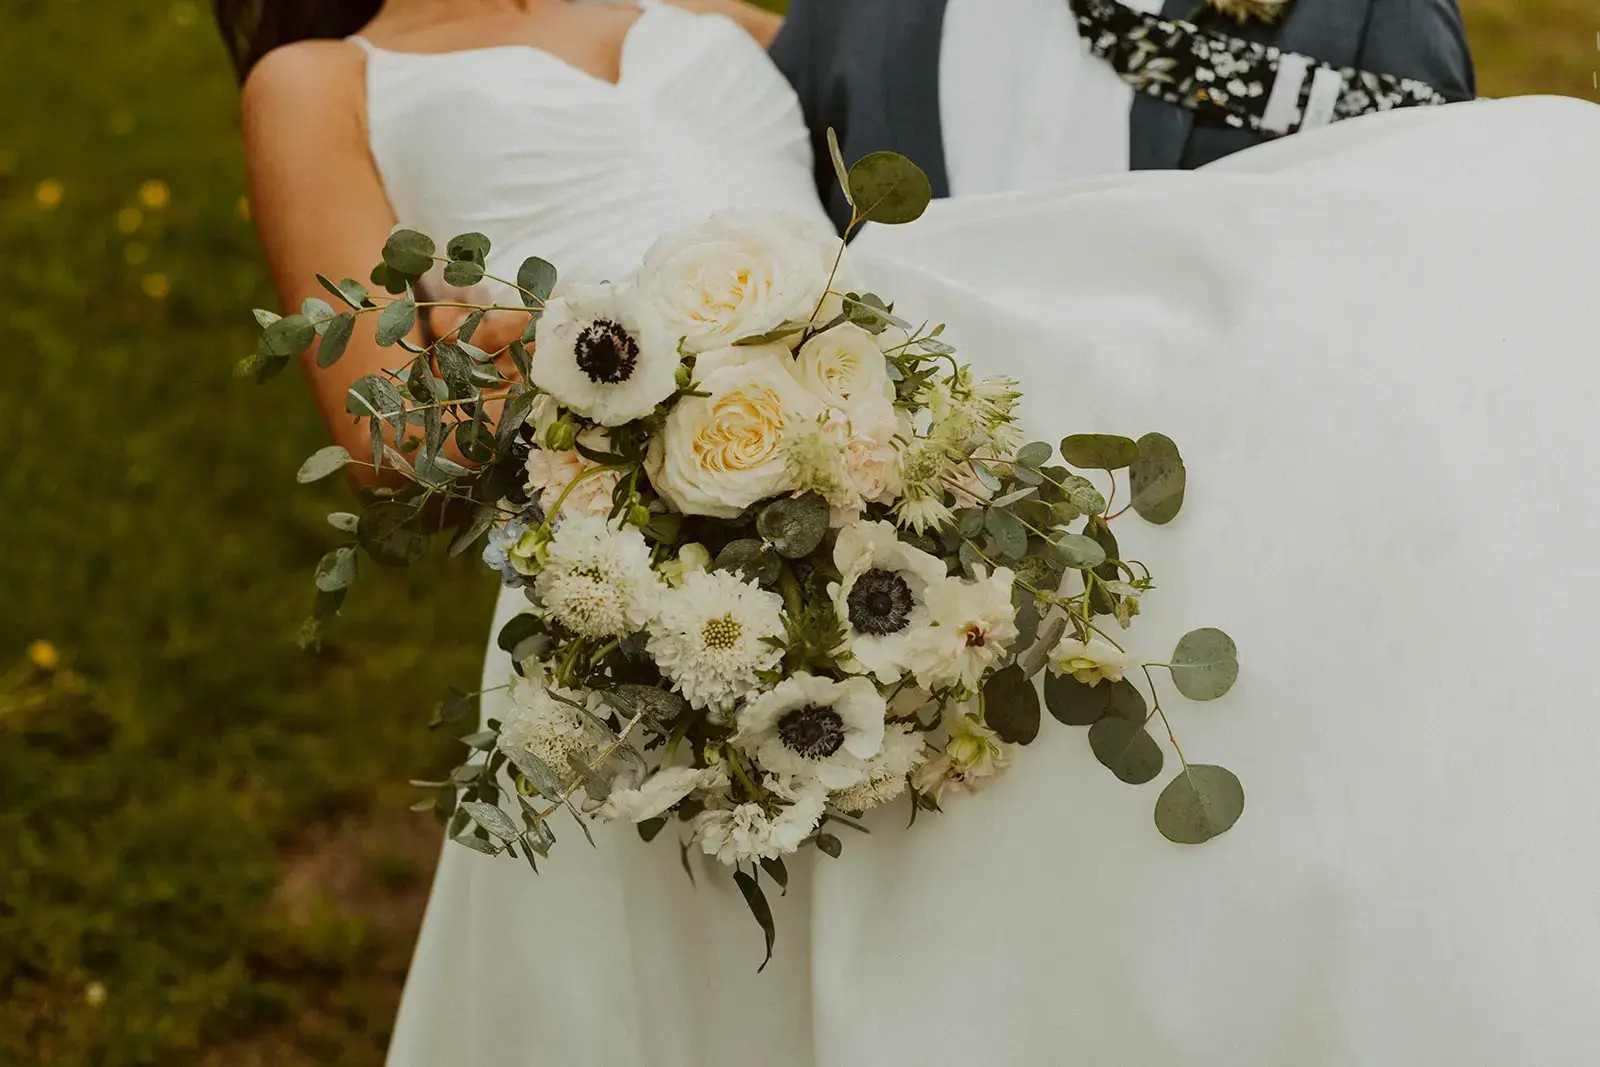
<point>549,160</point>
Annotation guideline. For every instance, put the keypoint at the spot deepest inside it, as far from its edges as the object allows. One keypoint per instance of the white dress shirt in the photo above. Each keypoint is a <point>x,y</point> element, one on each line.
<point>1023,103</point>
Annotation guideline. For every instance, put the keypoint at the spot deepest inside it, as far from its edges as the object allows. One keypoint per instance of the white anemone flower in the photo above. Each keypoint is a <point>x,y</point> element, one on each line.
<point>809,728</point>
<point>882,595</point>
<point>603,354</point>
<point>596,580</point>
<point>711,636</point>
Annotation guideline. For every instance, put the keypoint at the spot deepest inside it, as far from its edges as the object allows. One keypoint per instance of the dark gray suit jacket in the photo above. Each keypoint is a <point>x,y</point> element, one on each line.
<point>870,70</point>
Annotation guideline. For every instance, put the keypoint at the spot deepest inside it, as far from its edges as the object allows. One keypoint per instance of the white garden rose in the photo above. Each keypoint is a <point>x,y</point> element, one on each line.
<point>1091,662</point>
<point>844,368</point>
<point>721,452</point>
<point>736,275</point>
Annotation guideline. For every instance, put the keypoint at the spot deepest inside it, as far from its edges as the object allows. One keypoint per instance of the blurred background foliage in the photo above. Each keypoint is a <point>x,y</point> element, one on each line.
<point>205,852</point>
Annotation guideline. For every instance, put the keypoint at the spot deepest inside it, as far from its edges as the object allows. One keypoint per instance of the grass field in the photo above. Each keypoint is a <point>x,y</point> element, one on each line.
<point>205,857</point>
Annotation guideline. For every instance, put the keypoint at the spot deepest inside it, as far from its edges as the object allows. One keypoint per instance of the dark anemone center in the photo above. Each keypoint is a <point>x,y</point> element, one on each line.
<point>606,352</point>
<point>880,603</point>
<point>813,731</point>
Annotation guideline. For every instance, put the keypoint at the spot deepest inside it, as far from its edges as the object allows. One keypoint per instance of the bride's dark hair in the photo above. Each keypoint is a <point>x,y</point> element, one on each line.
<point>252,28</point>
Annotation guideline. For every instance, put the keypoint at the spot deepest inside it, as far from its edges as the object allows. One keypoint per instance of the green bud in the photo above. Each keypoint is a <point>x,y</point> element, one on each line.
<point>560,436</point>
<point>685,377</point>
<point>639,515</point>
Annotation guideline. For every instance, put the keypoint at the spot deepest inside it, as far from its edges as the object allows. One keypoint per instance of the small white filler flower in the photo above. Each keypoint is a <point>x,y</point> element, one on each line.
<point>596,580</point>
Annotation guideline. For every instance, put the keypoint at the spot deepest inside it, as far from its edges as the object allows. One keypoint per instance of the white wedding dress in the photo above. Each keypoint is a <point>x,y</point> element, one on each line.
<point>1374,346</point>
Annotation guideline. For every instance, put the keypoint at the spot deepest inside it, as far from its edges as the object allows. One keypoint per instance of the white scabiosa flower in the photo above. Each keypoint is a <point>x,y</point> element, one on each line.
<point>972,623</point>
<point>662,791</point>
<point>903,751</point>
<point>747,833</point>
<point>604,355</point>
<point>1090,662</point>
<point>813,729</point>
<point>543,721</point>
<point>882,595</point>
<point>711,637</point>
<point>596,580</point>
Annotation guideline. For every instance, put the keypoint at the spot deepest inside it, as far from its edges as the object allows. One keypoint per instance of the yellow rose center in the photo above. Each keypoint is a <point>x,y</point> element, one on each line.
<point>742,433</point>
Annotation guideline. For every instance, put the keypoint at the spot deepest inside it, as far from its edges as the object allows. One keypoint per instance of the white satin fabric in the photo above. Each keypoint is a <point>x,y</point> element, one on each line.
<point>609,957</point>
<point>1375,346</point>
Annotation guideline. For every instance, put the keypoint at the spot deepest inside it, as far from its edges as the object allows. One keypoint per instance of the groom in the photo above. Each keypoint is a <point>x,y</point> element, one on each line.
<point>997,95</point>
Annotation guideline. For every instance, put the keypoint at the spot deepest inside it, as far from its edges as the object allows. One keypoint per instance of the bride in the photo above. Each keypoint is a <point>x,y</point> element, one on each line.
<point>1368,343</point>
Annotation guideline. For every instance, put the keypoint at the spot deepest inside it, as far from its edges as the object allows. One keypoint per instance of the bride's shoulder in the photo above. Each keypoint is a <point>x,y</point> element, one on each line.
<point>305,77</point>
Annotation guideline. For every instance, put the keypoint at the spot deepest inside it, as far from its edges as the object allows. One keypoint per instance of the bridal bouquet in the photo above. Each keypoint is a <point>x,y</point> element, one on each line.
<point>787,559</point>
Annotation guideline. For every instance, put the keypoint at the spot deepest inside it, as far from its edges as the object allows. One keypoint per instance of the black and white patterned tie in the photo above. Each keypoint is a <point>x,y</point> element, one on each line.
<point>1238,83</point>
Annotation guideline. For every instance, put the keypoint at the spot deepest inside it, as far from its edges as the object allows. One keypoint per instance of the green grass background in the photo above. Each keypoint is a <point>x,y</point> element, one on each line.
<point>205,854</point>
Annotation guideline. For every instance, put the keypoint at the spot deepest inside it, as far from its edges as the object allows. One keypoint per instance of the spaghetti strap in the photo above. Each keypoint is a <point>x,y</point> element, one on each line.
<point>362,43</point>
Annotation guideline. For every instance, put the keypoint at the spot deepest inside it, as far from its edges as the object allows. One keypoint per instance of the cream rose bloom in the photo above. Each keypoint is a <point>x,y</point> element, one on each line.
<point>844,368</point>
<point>721,452</point>
<point>736,275</point>
<point>550,472</point>
<point>1091,662</point>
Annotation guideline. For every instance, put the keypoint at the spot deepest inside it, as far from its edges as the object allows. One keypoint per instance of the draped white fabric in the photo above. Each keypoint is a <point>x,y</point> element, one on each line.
<point>1376,348</point>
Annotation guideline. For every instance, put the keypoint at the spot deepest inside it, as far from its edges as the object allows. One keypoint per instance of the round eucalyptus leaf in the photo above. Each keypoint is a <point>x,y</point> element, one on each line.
<point>517,629</point>
<point>795,525</point>
<point>536,278</point>
<point>1011,706</point>
<point>392,533</point>
<point>337,570</point>
<point>1080,552</point>
<point>888,188</point>
<point>1099,451</point>
<point>468,246</point>
<point>1035,454</point>
<point>1205,664</point>
<point>1158,479</point>
<point>318,311</point>
<point>288,336</point>
<point>463,272</point>
<point>396,320</point>
<point>750,559</point>
<point>1128,703</point>
<point>1203,801</point>
<point>1126,750</point>
<point>408,252</point>
<point>1010,536</point>
<point>335,339</point>
<point>321,463</point>
<point>343,521</point>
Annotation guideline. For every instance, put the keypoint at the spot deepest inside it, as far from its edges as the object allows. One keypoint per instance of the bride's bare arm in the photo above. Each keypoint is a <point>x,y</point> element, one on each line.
<point>317,201</point>
<point>761,24</point>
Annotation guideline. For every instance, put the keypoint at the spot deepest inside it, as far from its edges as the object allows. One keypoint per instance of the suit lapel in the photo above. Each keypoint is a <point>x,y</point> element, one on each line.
<point>911,44</point>
<point>1158,131</point>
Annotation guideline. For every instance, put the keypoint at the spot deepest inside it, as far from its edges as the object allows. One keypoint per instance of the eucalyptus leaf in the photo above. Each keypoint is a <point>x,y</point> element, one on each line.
<point>1010,536</point>
<point>492,819</point>
<point>1158,479</point>
<point>396,320</point>
<point>751,559</point>
<point>777,872</point>
<point>463,272</point>
<point>794,525</point>
<point>349,290</point>
<point>1205,664</point>
<point>288,336</point>
<point>474,526</point>
<point>651,827</point>
<point>536,278</point>
<point>336,338</point>
<point>468,246</point>
<point>1074,703</point>
<point>887,188</point>
<point>392,533</point>
<point>1079,552</point>
<point>757,902</point>
<point>477,844</point>
<point>661,708</point>
<point>1201,802</point>
<point>318,311</point>
<point>518,629</point>
<point>408,252</point>
<point>830,845</point>
<point>265,318</point>
<point>840,171</point>
<point>1035,454</point>
<point>337,570</point>
<point>1126,749</point>
<point>343,521</point>
<point>1099,451</point>
<point>539,774</point>
<point>1011,706</point>
<point>321,463</point>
